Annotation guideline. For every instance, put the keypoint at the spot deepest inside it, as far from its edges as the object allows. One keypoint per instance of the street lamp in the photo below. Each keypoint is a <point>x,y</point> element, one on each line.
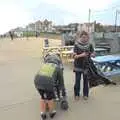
<point>116,17</point>
<point>89,16</point>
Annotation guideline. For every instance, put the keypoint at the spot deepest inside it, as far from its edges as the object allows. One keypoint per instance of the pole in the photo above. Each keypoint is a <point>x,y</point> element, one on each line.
<point>89,16</point>
<point>116,21</point>
<point>35,29</point>
<point>27,32</point>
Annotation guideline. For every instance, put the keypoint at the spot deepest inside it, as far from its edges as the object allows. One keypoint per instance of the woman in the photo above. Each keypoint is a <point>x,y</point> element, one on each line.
<point>83,50</point>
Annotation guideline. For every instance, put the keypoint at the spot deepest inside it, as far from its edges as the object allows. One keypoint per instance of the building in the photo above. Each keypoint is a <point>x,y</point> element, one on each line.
<point>73,26</point>
<point>111,28</point>
<point>38,26</point>
<point>30,27</point>
<point>47,26</point>
<point>88,27</point>
<point>18,32</point>
<point>42,26</point>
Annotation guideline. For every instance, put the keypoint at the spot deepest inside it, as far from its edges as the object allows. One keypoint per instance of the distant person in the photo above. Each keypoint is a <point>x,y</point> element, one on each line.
<point>36,34</point>
<point>3,36</point>
<point>11,35</point>
<point>82,50</point>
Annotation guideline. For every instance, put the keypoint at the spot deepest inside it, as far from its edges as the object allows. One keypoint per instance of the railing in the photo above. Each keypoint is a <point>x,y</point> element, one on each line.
<point>66,52</point>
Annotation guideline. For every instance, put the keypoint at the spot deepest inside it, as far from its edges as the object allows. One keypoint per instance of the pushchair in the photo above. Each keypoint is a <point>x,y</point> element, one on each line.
<point>60,93</point>
<point>60,99</point>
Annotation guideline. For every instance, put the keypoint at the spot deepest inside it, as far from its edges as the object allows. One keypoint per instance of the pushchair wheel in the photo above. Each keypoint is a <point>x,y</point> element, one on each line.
<point>64,105</point>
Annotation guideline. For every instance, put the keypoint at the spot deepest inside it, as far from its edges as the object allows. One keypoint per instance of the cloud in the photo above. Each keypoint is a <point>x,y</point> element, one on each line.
<point>12,16</point>
<point>79,6</point>
<point>20,12</point>
<point>74,10</point>
<point>52,12</point>
<point>80,9</point>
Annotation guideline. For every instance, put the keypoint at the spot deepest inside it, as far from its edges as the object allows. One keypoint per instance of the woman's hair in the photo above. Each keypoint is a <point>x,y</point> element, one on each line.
<point>80,34</point>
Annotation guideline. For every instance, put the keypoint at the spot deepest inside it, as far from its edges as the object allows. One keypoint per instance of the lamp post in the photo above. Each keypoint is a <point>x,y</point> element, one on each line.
<point>89,16</point>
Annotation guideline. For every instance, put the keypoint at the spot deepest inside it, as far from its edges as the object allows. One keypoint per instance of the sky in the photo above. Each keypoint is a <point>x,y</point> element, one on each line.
<point>18,13</point>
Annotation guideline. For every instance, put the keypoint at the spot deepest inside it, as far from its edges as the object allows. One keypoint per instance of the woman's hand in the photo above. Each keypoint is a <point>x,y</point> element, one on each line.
<point>92,55</point>
<point>84,54</point>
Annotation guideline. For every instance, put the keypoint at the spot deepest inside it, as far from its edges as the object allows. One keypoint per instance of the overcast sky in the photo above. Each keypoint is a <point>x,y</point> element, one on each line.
<point>15,13</point>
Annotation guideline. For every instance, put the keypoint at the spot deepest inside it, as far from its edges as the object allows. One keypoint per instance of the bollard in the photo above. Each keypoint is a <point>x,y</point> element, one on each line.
<point>46,43</point>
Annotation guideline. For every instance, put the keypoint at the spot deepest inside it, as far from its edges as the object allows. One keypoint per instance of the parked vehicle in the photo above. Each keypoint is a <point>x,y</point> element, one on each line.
<point>109,65</point>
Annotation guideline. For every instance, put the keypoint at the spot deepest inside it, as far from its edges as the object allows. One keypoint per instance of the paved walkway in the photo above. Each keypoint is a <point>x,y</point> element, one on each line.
<point>20,101</point>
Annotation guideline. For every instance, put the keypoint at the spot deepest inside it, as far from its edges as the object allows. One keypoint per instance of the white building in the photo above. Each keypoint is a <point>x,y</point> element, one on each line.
<point>88,27</point>
<point>43,26</point>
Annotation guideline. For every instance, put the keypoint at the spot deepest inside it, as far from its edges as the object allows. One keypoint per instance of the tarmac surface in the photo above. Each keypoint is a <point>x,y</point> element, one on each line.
<point>19,99</point>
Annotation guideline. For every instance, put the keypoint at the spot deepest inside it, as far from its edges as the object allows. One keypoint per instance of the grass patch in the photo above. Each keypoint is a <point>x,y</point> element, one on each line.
<point>42,35</point>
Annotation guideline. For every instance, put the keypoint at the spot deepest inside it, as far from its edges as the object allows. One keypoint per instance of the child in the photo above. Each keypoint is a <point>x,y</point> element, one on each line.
<point>45,81</point>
